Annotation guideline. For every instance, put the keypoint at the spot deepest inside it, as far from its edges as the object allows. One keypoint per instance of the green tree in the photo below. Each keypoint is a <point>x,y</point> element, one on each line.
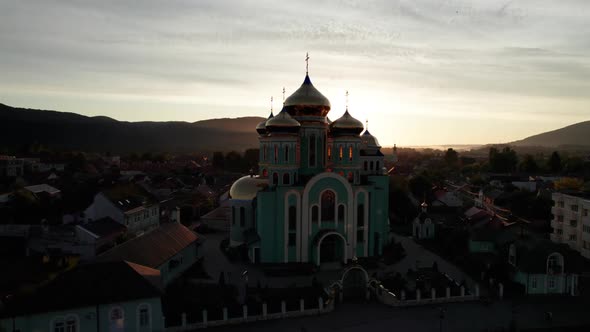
<point>529,164</point>
<point>503,161</point>
<point>554,162</point>
<point>451,157</point>
<point>218,160</point>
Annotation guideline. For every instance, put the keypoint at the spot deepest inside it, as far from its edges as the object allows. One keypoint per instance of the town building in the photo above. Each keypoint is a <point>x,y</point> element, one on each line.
<point>10,166</point>
<point>321,194</point>
<point>170,249</point>
<point>128,204</point>
<point>423,225</point>
<point>113,296</point>
<point>571,222</point>
<point>100,235</point>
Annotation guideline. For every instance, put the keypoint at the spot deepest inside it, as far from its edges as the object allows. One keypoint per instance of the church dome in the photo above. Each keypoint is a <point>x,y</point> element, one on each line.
<point>307,100</point>
<point>261,127</point>
<point>347,124</point>
<point>246,188</point>
<point>369,141</point>
<point>282,122</point>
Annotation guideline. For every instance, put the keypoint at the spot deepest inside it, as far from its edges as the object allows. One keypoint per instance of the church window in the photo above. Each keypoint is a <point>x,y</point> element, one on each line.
<point>286,153</point>
<point>233,215</point>
<point>59,325</point>
<point>365,166</point>
<point>275,178</point>
<point>116,318</point>
<point>341,213</point>
<point>371,167</point>
<point>377,166</point>
<point>328,205</point>
<point>292,218</point>
<point>276,153</point>
<point>242,216</point>
<point>360,217</point>
<point>286,178</point>
<point>312,150</point>
<point>292,239</point>
<point>340,152</point>
<point>314,214</point>
<point>329,153</point>
<point>144,316</point>
<point>264,173</point>
<point>350,153</point>
<point>264,152</point>
<point>350,177</point>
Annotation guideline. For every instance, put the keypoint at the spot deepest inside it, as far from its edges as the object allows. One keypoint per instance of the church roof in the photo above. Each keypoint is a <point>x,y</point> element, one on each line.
<point>307,95</point>
<point>246,188</point>
<point>282,121</point>
<point>347,124</point>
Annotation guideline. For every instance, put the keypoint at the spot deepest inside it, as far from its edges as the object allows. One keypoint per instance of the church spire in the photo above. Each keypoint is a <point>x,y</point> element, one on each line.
<point>307,63</point>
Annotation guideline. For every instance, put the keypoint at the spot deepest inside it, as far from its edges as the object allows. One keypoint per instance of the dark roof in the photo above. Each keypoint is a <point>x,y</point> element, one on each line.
<point>493,231</point>
<point>493,193</point>
<point>153,248</point>
<point>423,216</point>
<point>104,227</point>
<point>531,256</point>
<point>129,196</point>
<point>89,285</point>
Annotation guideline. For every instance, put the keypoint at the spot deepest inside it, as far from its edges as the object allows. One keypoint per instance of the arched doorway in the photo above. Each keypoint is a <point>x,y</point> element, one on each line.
<point>331,249</point>
<point>354,283</point>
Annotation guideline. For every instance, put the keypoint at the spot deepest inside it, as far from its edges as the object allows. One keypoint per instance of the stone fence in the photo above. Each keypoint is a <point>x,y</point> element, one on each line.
<point>384,296</point>
<point>245,318</point>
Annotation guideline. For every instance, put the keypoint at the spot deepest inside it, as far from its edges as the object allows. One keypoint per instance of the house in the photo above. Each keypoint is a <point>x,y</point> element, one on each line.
<point>101,234</point>
<point>423,225</point>
<point>171,249</point>
<point>445,198</point>
<point>128,204</point>
<point>491,236</point>
<point>571,221</point>
<point>543,267</point>
<point>108,296</point>
<point>44,190</point>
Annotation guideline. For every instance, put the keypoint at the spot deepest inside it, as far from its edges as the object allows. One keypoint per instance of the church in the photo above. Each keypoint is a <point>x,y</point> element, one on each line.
<point>321,192</point>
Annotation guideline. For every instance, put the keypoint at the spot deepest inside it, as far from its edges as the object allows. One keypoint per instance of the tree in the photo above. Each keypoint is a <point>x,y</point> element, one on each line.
<point>503,161</point>
<point>568,183</point>
<point>554,162</point>
<point>529,164</point>
<point>218,160</point>
<point>451,157</point>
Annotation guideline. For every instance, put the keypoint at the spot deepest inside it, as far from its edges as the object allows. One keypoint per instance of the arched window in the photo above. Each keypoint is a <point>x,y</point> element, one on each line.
<point>286,178</point>
<point>555,264</point>
<point>366,166</point>
<point>350,177</point>
<point>360,216</point>
<point>371,166</point>
<point>340,152</point>
<point>329,153</point>
<point>286,153</point>
<point>144,316</point>
<point>233,215</point>
<point>312,151</point>
<point>350,153</point>
<point>292,218</point>
<point>341,213</point>
<point>117,319</point>
<point>275,178</point>
<point>276,153</point>
<point>314,214</point>
<point>328,202</point>
<point>377,166</point>
<point>242,216</point>
<point>264,152</point>
<point>264,173</point>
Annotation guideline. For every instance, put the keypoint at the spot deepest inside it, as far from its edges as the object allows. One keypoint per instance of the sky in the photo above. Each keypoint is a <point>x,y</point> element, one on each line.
<point>422,72</point>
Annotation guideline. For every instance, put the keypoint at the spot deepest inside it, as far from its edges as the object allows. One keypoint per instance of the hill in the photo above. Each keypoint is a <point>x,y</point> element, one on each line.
<point>70,131</point>
<point>576,135</point>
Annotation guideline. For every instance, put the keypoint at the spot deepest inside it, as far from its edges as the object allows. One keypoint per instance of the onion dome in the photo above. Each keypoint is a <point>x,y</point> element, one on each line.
<point>307,101</point>
<point>261,127</point>
<point>246,188</point>
<point>283,122</point>
<point>369,141</point>
<point>346,124</point>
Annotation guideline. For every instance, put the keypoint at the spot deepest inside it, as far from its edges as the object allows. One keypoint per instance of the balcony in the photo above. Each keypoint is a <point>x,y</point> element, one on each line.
<point>556,224</point>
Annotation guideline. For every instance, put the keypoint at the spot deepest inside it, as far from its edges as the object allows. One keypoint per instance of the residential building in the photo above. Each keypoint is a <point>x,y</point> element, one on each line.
<point>101,234</point>
<point>112,296</point>
<point>170,249</point>
<point>571,221</point>
<point>129,204</point>
<point>321,195</point>
<point>11,166</point>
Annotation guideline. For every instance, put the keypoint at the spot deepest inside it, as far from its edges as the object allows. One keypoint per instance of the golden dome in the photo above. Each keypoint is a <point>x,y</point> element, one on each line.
<point>246,188</point>
<point>261,127</point>
<point>307,100</point>
<point>282,121</point>
<point>346,123</point>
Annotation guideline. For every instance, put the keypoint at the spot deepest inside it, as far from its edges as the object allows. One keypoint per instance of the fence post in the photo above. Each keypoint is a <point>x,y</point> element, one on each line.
<point>501,290</point>
<point>403,295</point>
<point>462,290</point>
<point>320,304</point>
<point>245,311</point>
<point>477,290</point>
<point>283,308</point>
<point>183,319</point>
<point>433,293</point>
<point>448,293</point>
<point>264,310</point>
<point>224,313</point>
<point>205,317</point>
<point>301,305</point>
<point>164,321</point>
<point>418,295</point>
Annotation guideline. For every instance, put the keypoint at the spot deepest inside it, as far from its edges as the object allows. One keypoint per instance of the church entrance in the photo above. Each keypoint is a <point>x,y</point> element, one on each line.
<point>331,250</point>
<point>354,283</point>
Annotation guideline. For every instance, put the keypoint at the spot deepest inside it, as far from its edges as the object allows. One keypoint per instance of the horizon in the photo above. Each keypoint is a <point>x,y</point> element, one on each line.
<point>422,73</point>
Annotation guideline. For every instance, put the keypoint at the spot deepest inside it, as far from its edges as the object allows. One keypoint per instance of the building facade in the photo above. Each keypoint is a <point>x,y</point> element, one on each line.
<point>571,222</point>
<point>321,193</point>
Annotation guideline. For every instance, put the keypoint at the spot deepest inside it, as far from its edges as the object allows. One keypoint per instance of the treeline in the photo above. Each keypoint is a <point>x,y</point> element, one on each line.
<point>234,161</point>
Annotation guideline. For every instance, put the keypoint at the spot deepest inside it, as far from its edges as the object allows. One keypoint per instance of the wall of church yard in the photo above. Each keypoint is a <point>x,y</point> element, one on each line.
<point>538,283</point>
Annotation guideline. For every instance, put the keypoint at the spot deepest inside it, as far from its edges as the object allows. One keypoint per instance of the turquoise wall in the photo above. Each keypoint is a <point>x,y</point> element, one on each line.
<point>562,283</point>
